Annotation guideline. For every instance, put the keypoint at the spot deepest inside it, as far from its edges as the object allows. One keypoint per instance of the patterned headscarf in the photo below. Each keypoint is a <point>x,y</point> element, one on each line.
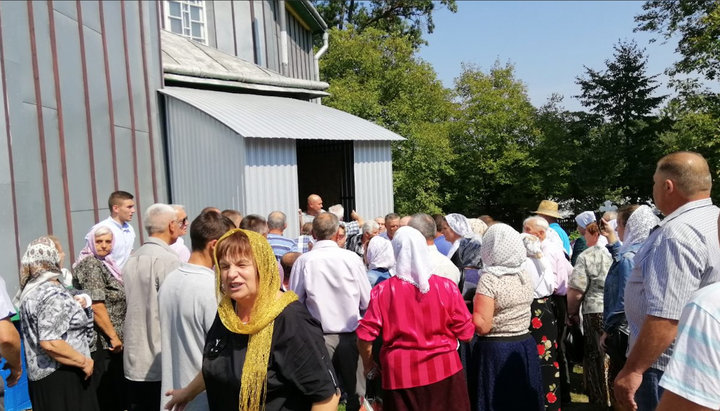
<point>459,224</point>
<point>40,263</point>
<point>253,384</point>
<point>412,258</point>
<point>90,251</point>
<point>477,226</point>
<point>638,227</point>
<point>502,251</point>
<point>379,253</point>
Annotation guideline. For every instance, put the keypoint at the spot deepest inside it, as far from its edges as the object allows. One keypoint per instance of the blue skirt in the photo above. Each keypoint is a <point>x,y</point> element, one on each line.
<point>505,374</point>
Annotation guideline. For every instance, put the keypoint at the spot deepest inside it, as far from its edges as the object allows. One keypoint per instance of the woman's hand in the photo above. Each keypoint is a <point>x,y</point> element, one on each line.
<point>87,367</point>
<point>116,344</point>
<point>601,341</point>
<point>608,231</point>
<point>572,319</point>
<point>180,399</point>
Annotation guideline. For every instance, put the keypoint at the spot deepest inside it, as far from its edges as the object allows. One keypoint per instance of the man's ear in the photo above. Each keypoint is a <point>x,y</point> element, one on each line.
<point>669,186</point>
<point>210,246</point>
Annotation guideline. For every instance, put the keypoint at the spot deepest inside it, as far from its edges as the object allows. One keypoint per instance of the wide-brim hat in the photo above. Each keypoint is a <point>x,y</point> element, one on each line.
<point>548,208</point>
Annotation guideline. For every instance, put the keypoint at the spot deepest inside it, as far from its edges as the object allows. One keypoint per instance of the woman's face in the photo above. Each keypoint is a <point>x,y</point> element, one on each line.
<point>620,229</point>
<point>103,245</point>
<point>448,232</point>
<point>239,278</point>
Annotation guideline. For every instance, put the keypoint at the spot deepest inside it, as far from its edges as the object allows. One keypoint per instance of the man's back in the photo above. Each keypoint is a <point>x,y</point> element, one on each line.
<point>143,274</point>
<point>333,284</point>
<point>281,244</point>
<point>187,305</point>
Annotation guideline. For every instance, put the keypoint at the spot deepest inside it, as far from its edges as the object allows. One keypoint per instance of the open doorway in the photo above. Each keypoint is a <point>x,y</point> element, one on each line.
<point>326,168</point>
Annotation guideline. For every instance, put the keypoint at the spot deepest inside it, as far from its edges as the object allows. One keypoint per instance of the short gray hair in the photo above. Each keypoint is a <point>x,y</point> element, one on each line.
<point>325,226</point>
<point>338,210</point>
<point>158,217</point>
<point>103,230</point>
<point>537,222</point>
<point>425,224</point>
<point>276,220</point>
<point>370,226</point>
<point>178,207</point>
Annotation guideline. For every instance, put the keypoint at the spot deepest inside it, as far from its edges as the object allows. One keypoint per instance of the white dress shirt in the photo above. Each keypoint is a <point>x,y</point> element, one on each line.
<point>560,265</point>
<point>442,266</point>
<point>333,284</point>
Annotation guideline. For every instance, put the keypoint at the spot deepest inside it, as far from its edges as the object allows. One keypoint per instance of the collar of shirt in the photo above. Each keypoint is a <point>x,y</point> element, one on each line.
<point>124,226</point>
<point>325,244</point>
<point>161,243</point>
<point>685,208</point>
<point>196,269</point>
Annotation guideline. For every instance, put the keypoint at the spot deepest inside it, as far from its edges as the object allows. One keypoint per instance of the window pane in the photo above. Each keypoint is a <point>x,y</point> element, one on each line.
<point>195,14</point>
<point>197,30</point>
<point>174,8</point>
<point>176,26</point>
<point>186,20</point>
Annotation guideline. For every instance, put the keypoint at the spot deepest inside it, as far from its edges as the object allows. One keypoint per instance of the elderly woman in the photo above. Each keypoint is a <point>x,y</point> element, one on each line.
<point>455,227</point>
<point>505,370</point>
<point>264,350</point>
<point>57,333</point>
<point>634,223</point>
<point>380,259</point>
<point>97,274</point>
<point>586,287</point>
<point>420,317</point>
<point>543,322</point>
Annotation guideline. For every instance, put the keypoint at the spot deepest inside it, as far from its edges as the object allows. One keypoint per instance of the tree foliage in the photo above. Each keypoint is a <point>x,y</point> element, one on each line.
<point>697,22</point>
<point>405,18</point>
<point>378,77</point>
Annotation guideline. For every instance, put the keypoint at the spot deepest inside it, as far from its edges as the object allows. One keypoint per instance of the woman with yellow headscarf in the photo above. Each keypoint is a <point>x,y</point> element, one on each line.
<point>264,351</point>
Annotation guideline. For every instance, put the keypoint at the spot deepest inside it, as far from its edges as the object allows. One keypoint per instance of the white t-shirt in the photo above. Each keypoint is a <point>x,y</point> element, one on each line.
<point>694,369</point>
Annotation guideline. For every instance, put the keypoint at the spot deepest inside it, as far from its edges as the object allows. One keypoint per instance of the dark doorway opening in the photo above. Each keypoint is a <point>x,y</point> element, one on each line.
<point>326,168</point>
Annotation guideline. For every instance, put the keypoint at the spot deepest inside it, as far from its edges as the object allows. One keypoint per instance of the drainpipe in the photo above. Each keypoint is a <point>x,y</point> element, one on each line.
<point>283,39</point>
<point>317,56</point>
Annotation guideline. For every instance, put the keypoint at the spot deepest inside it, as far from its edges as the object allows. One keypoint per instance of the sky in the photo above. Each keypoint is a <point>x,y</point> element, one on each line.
<point>549,42</point>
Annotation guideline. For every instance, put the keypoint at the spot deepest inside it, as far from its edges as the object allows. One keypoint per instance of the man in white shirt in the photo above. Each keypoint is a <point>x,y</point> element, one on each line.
<point>333,284</point>
<point>442,266</point>
<point>122,209</point>
<point>179,246</point>
<point>188,305</point>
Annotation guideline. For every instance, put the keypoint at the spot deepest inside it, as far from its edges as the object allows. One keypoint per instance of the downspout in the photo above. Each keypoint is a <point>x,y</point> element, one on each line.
<point>317,56</point>
<point>283,39</point>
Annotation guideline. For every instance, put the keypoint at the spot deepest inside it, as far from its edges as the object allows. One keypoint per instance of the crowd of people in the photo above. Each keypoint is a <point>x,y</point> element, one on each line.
<point>397,312</point>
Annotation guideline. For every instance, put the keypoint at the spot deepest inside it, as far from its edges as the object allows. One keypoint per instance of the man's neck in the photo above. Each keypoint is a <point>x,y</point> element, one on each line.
<point>117,219</point>
<point>277,232</point>
<point>201,258</point>
<point>164,237</point>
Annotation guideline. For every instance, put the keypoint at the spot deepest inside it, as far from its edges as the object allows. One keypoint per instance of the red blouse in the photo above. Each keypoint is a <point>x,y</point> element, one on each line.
<point>419,331</point>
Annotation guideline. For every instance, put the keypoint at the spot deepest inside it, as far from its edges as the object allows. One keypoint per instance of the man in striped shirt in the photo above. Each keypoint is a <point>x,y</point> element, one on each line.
<point>277,223</point>
<point>679,257</point>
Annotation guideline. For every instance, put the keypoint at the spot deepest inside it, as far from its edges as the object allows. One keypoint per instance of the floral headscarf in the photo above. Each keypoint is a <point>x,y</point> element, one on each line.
<point>459,223</point>
<point>253,384</point>
<point>412,260</point>
<point>638,227</point>
<point>90,251</point>
<point>502,251</point>
<point>380,253</point>
<point>40,263</point>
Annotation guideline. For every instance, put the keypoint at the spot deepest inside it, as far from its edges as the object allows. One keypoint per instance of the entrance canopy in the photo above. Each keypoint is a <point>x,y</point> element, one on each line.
<point>258,116</point>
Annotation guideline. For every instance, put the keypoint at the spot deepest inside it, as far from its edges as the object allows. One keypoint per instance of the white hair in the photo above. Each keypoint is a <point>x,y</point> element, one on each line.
<point>537,222</point>
<point>178,207</point>
<point>158,217</point>
<point>370,226</point>
<point>103,230</point>
<point>338,210</point>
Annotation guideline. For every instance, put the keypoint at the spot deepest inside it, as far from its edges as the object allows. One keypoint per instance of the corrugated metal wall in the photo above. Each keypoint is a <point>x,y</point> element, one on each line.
<point>300,49</point>
<point>79,118</point>
<point>271,179</point>
<point>373,178</point>
<point>205,160</point>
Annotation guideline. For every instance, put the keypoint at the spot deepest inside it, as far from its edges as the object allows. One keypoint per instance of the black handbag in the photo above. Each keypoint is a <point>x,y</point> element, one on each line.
<point>574,343</point>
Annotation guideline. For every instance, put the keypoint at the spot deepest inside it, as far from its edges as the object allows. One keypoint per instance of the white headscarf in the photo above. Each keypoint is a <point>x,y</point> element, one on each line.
<point>637,228</point>
<point>459,224</point>
<point>380,253</point>
<point>502,251</point>
<point>412,258</point>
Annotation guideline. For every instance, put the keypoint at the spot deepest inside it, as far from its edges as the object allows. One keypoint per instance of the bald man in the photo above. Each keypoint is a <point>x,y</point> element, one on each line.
<point>314,209</point>
<point>679,257</point>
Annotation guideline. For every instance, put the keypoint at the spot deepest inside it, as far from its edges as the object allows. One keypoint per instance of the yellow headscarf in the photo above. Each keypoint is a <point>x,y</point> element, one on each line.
<point>253,384</point>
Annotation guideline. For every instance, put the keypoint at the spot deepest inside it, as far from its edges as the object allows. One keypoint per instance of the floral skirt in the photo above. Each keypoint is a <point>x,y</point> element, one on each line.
<point>543,328</point>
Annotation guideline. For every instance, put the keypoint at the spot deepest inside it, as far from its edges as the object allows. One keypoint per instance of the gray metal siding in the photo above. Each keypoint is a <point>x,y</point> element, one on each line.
<point>373,178</point>
<point>206,160</point>
<point>271,179</point>
<point>20,90</point>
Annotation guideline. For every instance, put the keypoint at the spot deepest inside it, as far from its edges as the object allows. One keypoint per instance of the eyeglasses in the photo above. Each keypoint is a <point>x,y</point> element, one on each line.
<point>182,222</point>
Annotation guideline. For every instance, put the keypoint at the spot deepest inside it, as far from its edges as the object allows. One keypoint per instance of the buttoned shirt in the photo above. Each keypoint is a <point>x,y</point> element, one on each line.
<point>332,283</point>
<point>588,277</point>
<point>442,266</point>
<point>143,274</point>
<point>559,264</point>
<point>678,258</point>
<point>123,240</point>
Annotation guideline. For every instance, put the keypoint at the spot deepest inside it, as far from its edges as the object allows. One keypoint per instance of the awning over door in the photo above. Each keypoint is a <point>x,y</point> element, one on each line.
<point>257,116</point>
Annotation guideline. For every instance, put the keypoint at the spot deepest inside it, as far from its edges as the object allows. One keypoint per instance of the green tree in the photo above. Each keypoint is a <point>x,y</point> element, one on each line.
<point>624,94</point>
<point>399,17</point>
<point>696,23</point>
<point>493,134</point>
<point>379,77</point>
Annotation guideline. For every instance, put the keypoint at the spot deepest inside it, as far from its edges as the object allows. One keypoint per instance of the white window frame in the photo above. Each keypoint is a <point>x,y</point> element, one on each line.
<point>185,6</point>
